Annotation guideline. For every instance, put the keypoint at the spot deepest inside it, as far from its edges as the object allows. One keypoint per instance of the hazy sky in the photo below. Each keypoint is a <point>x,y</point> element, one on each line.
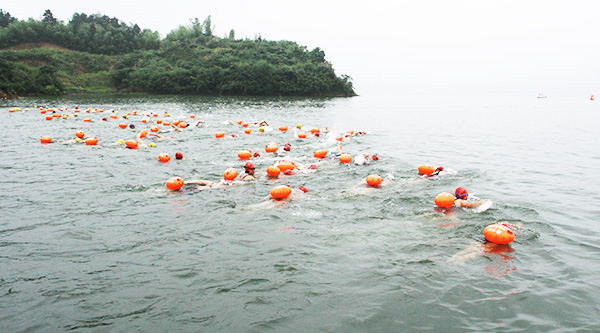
<point>433,47</point>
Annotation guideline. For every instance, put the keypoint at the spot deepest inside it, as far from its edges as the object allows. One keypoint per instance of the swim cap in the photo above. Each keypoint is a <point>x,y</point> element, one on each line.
<point>460,193</point>
<point>256,154</point>
<point>178,155</point>
<point>249,165</point>
<point>298,125</point>
<point>312,167</point>
<point>104,119</point>
<point>375,157</point>
<point>439,169</point>
<point>261,129</point>
<point>132,126</point>
<point>288,172</point>
<point>302,188</point>
<point>286,148</point>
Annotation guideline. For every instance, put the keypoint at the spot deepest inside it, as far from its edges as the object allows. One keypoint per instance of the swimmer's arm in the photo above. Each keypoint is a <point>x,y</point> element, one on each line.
<point>339,147</point>
<point>466,204</point>
<point>199,182</point>
<point>264,123</point>
<point>202,122</point>
<point>156,135</point>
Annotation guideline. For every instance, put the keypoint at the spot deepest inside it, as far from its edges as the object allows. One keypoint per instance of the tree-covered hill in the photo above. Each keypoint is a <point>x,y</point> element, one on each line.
<point>98,54</point>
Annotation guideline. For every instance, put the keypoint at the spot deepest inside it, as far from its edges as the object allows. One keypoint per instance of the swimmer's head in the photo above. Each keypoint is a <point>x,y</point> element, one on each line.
<point>131,126</point>
<point>439,169</point>
<point>104,119</point>
<point>261,129</point>
<point>288,172</point>
<point>461,193</point>
<point>256,154</point>
<point>298,125</point>
<point>302,188</point>
<point>312,167</point>
<point>249,166</point>
<point>233,135</point>
<point>178,155</point>
<point>375,157</point>
<point>317,134</point>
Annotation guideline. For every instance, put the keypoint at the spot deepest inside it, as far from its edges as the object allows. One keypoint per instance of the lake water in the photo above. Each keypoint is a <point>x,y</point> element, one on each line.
<point>91,239</point>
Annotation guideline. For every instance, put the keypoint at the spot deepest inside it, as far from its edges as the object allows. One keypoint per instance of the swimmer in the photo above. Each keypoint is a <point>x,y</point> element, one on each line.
<point>257,123</point>
<point>287,146</point>
<point>271,202</point>
<point>438,172</point>
<point>481,246</point>
<point>200,123</point>
<point>365,158</point>
<point>248,172</point>
<point>461,199</point>
<point>296,165</point>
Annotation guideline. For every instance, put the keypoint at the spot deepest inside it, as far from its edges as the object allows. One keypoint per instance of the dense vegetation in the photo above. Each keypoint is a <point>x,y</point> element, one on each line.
<point>98,53</point>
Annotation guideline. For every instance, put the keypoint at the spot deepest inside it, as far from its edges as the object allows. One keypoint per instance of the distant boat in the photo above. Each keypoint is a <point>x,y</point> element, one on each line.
<point>541,95</point>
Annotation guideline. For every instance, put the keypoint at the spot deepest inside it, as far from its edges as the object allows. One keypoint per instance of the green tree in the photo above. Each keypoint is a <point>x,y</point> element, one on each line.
<point>49,18</point>
<point>6,19</point>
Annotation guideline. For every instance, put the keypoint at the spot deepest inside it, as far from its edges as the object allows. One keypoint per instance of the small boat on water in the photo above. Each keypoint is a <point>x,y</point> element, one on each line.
<point>541,95</point>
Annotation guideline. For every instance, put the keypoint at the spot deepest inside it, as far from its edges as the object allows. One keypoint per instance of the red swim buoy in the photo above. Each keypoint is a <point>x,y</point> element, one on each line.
<point>283,167</point>
<point>91,141</point>
<point>345,158</point>
<point>45,139</point>
<point>80,134</point>
<point>131,144</point>
<point>159,121</point>
<point>374,180</point>
<point>230,174</point>
<point>175,183</point>
<point>498,234</point>
<point>280,192</point>
<point>444,200</point>
<point>153,129</point>
<point>273,171</point>
<point>244,155</point>
<point>164,157</point>
<point>123,125</point>
<point>271,147</point>
<point>426,170</point>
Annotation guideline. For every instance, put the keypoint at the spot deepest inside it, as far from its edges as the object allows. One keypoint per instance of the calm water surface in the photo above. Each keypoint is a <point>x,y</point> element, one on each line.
<point>91,240</point>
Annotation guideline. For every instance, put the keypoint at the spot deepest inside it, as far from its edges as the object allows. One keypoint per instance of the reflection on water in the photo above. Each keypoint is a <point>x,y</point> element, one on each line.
<point>91,238</point>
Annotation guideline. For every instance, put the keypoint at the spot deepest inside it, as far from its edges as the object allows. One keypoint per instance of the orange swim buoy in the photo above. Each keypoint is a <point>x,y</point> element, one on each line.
<point>166,124</point>
<point>183,124</point>
<point>176,122</point>
<point>230,174</point>
<point>131,144</point>
<point>113,116</point>
<point>56,115</point>
<point>339,138</point>
<point>302,135</point>
<point>245,124</point>
<point>271,147</point>
<point>123,125</point>
<point>219,134</point>
<point>320,153</point>
<point>91,141</point>
<point>374,180</point>
<point>192,116</point>
<point>159,121</point>
<point>247,131</point>
<point>244,155</point>
<point>45,139</point>
<point>42,111</point>
<point>345,158</point>
<point>143,134</point>
<point>315,130</point>
<point>164,157</point>
<point>175,183</point>
<point>239,122</point>
<point>153,129</point>
<point>49,117</point>
<point>273,171</point>
<point>87,120</point>
<point>80,134</point>
<point>283,167</point>
<point>498,233</point>
<point>283,128</point>
<point>144,120</point>
<point>426,170</point>
<point>280,192</point>
<point>445,200</point>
